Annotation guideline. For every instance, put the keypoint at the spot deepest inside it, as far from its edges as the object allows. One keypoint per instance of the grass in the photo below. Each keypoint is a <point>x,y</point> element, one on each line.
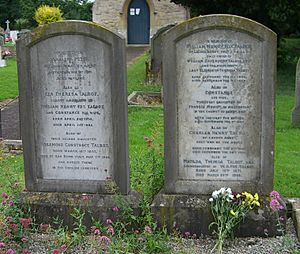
<point>9,80</point>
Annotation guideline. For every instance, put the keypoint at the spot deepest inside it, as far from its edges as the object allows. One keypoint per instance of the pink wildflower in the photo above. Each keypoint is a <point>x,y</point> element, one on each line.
<point>4,195</point>
<point>141,239</point>
<point>10,251</point>
<point>44,227</point>
<point>2,245</point>
<point>11,203</point>
<point>110,231</point>
<point>25,222</point>
<point>63,247</point>
<point>115,209</point>
<point>56,251</point>
<point>274,195</point>
<point>275,205</point>
<point>13,226</point>
<point>187,234</point>
<point>97,232</point>
<point>109,221</point>
<point>26,251</point>
<point>103,239</point>
<point>4,202</point>
<point>147,229</point>
<point>23,239</point>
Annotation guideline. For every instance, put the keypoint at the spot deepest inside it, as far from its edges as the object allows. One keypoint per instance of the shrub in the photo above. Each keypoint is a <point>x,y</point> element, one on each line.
<point>46,14</point>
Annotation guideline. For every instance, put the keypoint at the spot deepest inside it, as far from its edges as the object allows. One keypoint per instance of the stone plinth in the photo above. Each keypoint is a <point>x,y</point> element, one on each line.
<point>48,205</point>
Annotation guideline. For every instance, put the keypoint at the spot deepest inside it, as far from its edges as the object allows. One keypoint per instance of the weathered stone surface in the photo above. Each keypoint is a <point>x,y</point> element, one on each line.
<point>156,54</point>
<point>296,109</point>
<point>113,14</point>
<point>295,205</point>
<point>73,104</point>
<point>10,121</point>
<point>46,205</point>
<point>219,77</point>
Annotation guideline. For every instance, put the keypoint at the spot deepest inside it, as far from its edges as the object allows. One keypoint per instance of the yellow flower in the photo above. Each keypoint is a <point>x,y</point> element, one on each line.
<point>232,212</point>
<point>256,196</point>
<point>238,195</point>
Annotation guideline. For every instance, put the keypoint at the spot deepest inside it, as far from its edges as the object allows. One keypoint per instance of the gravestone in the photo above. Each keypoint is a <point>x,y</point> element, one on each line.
<point>2,40</point>
<point>219,76</point>
<point>296,109</point>
<point>73,112</point>
<point>9,121</point>
<point>156,54</point>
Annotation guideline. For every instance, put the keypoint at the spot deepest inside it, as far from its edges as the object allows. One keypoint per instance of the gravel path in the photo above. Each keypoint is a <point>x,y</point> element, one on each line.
<point>249,245</point>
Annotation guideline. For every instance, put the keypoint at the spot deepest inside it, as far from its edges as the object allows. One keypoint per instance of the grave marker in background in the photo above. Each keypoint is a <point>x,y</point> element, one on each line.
<point>219,79</point>
<point>296,109</point>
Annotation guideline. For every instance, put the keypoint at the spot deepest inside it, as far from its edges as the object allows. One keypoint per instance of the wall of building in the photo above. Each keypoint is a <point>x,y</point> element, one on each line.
<point>113,14</point>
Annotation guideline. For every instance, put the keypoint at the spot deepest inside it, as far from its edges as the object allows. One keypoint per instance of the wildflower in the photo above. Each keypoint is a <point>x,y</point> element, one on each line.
<point>97,232</point>
<point>275,205</point>
<point>10,251</point>
<point>211,200</point>
<point>274,195</point>
<point>13,226</point>
<point>108,221</point>
<point>187,234</point>
<point>56,251</point>
<point>44,227</point>
<point>2,245</point>
<point>103,239</point>
<point>115,209</point>
<point>85,197</point>
<point>63,247</point>
<point>26,251</point>
<point>4,195</point>
<point>147,229</point>
<point>25,222</point>
<point>232,212</point>
<point>110,231</point>
<point>23,239</point>
<point>140,239</point>
<point>4,202</point>
<point>11,203</point>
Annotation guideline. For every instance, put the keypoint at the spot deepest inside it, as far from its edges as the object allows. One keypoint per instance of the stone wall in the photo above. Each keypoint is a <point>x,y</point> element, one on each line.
<point>113,14</point>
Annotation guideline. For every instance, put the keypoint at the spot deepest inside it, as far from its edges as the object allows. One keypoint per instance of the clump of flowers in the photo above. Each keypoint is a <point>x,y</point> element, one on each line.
<point>277,205</point>
<point>229,209</point>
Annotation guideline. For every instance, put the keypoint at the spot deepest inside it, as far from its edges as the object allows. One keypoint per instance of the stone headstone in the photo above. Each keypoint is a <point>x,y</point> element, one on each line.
<point>73,108</point>
<point>219,105</point>
<point>219,79</point>
<point>9,121</point>
<point>156,53</point>
<point>296,109</point>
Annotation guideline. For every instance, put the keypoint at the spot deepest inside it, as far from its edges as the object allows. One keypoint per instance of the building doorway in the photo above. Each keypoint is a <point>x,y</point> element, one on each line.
<point>138,23</point>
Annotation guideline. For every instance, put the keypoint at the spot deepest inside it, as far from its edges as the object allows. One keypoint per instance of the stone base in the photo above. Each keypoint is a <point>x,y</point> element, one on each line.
<point>2,63</point>
<point>45,206</point>
<point>295,209</point>
<point>191,213</point>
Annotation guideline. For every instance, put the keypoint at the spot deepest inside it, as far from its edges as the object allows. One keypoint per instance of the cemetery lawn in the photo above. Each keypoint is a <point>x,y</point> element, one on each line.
<point>9,80</point>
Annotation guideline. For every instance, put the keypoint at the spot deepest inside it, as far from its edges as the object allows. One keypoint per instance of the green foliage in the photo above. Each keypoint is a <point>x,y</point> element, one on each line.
<point>21,23</point>
<point>79,229</point>
<point>281,16</point>
<point>136,75</point>
<point>46,14</point>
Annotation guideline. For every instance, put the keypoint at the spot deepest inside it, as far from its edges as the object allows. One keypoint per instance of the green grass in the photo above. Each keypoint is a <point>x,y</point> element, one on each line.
<point>11,174</point>
<point>287,149</point>
<point>9,80</point>
<point>136,76</point>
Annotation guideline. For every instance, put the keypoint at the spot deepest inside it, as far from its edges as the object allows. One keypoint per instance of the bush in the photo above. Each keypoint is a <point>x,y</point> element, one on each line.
<point>46,14</point>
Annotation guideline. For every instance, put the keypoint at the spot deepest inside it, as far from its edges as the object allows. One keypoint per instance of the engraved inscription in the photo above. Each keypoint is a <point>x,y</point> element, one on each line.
<point>219,106</point>
<point>74,116</point>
